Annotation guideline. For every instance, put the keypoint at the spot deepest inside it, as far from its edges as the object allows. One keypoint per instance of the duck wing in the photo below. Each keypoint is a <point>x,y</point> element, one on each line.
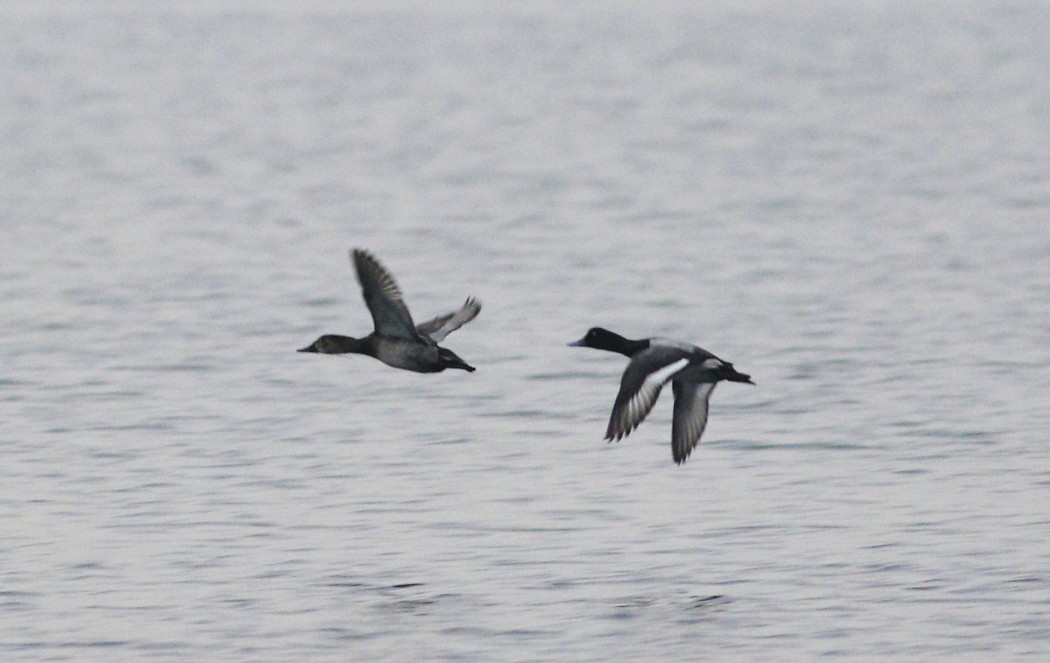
<point>640,386</point>
<point>383,297</point>
<point>690,416</point>
<point>443,325</point>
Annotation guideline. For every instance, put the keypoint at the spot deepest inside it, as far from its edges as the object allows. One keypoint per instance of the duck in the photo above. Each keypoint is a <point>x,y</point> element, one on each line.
<point>396,340</point>
<point>692,371</point>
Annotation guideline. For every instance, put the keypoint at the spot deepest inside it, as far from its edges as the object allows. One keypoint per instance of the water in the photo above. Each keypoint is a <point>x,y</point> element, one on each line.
<point>847,201</point>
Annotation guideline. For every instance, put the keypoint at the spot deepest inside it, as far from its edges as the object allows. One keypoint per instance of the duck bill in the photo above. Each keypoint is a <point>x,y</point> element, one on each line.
<point>577,344</point>
<point>309,348</point>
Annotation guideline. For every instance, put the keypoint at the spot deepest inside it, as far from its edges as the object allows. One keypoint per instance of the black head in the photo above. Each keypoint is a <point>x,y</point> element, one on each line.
<point>332,344</point>
<point>603,339</point>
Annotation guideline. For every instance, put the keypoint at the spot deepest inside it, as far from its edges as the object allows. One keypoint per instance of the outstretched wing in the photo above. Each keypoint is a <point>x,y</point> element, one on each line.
<point>640,386</point>
<point>690,416</point>
<point>443,325</point>
<point>383,297</point>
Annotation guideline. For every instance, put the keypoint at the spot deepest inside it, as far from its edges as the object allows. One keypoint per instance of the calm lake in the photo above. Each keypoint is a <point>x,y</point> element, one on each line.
<point>849,201</point>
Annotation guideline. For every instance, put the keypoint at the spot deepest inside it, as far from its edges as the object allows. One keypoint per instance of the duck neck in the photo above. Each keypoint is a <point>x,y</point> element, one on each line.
<point>629,348</point>
<point>349,344</point>
<point>613,342</point>
<point>603,339</point>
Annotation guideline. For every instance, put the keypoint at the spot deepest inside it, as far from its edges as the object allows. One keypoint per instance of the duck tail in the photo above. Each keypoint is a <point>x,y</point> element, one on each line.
<point>449,359</point>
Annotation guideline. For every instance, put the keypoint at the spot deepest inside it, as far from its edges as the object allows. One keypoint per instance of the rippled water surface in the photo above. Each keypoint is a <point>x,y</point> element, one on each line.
<point>848,201</point>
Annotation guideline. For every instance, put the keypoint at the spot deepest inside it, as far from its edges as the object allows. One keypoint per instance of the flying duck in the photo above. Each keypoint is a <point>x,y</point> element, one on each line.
<point>397,341</point>
<point>692,371</point>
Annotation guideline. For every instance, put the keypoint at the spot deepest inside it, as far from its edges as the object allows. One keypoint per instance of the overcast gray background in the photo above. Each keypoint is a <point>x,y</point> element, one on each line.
<point>848,200</point>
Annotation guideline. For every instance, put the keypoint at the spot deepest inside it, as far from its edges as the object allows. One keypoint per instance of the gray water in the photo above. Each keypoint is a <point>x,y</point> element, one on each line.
<point>848,201</point>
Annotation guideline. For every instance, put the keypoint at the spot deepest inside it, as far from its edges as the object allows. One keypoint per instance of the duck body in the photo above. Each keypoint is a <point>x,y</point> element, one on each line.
<point>395,352</point>
<point>692,371</point>
<point>397,341</point>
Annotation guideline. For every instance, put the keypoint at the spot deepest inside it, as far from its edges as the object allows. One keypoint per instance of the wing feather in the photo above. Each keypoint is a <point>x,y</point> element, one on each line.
<point>383,297</point>
<point>640,386</point>
<point>443,325</point>
<point>691,400</point>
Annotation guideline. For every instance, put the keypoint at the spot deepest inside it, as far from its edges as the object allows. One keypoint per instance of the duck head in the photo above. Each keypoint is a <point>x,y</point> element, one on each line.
<point>333,344</point>
<point>603,339</point>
